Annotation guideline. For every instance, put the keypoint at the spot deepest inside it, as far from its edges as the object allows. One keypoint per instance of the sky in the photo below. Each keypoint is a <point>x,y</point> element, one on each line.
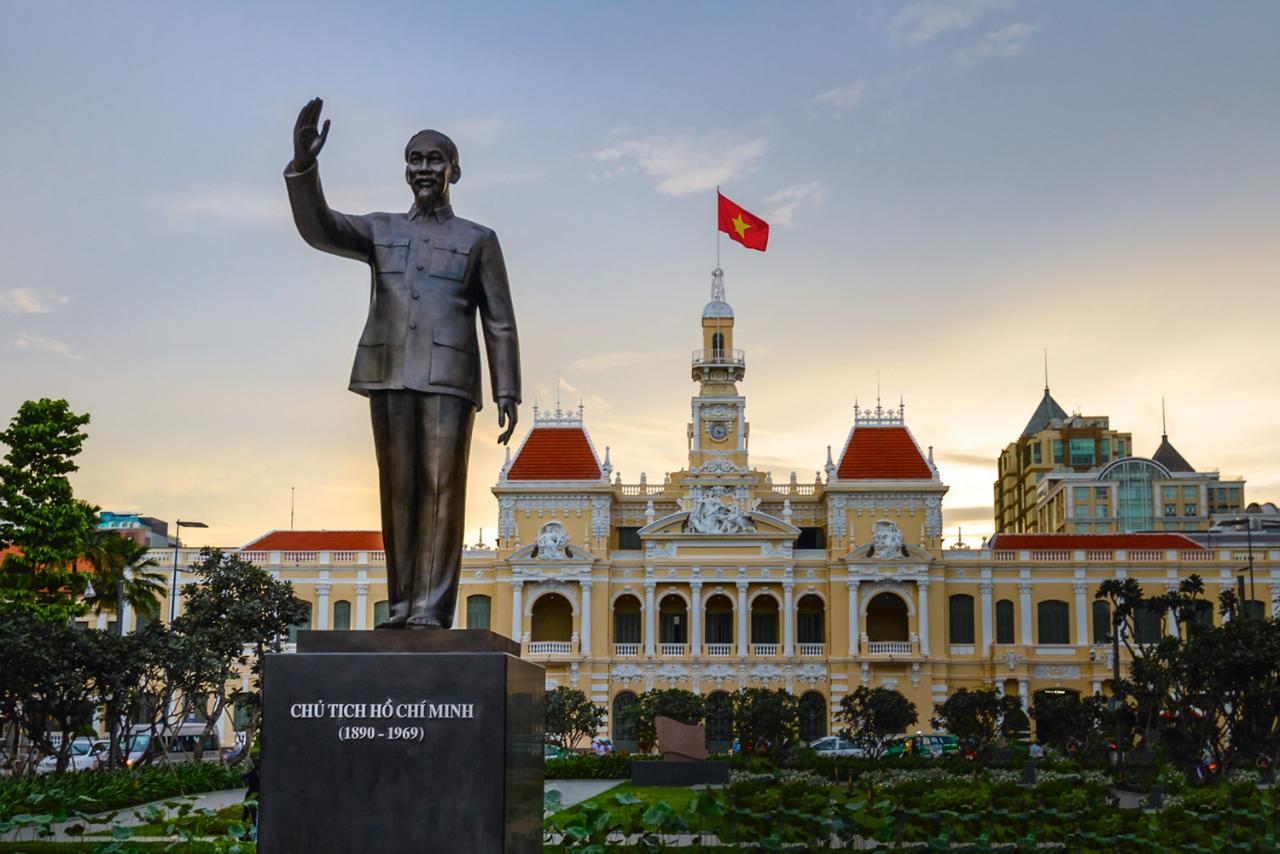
<point>953,188</point>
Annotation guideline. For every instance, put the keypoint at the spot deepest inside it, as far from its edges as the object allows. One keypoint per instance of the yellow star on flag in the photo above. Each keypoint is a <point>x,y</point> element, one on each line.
<point>740,225</point>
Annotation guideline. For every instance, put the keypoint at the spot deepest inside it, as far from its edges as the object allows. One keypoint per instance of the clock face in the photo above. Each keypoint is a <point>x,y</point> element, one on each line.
<point>718,430</point>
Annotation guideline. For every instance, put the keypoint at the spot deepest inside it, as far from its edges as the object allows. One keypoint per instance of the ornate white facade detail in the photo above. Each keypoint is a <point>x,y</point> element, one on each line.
<point>1055,671</point>
<point>552,543</point>
<point>766,673</point>
<point>887,542</point>
<point>716,511</point>
<point>673,673</point>
<point>785,549</point>
<point>933,516</point>
<point>507,518</point>
<point>837,519</point>
<point>719,674</point>
<point>600,521</point>
<point>627,673</point>
<point>811,674</point>
<point>652,550</point>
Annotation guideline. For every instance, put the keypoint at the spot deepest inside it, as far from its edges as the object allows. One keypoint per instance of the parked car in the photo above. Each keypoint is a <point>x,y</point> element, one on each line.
<point>551,751</point>
<point>180,746</point>
<point>83,756</point>
<point>932,745</point>
<point>833,745</point>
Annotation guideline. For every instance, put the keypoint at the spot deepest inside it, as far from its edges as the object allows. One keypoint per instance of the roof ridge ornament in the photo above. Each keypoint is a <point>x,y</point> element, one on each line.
<point>717,285</point>
<point>879,417</point>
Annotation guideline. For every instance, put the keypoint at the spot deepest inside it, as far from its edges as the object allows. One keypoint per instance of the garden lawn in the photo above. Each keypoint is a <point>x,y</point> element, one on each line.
<point>676,797</point>
<point>198,824</point>
<point>90,847</point>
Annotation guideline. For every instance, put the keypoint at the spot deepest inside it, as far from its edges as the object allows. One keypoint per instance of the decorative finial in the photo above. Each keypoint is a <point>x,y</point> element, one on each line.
<point>1046,370</point>
<point>1164,426</point>
<point>579,409</point>
<point>558,415</point>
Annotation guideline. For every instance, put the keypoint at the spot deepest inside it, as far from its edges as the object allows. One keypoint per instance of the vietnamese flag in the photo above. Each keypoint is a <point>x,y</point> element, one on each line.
<point>742,225</point>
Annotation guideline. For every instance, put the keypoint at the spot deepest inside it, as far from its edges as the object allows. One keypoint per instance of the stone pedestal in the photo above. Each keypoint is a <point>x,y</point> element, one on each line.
<point>401,741</point>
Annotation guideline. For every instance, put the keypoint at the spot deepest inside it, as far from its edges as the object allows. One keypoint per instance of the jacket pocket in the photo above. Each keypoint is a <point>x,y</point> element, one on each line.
<point>449,262</point>
<point>391,256</point>
<point>454,360</point>
<point>370,364</point>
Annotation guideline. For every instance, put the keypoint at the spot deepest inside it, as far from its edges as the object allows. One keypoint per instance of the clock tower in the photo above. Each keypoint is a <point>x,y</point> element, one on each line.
<point>718,433</point>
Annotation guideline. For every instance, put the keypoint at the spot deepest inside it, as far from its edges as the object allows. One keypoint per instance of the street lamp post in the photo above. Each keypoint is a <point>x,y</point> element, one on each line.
<point>177,543</point>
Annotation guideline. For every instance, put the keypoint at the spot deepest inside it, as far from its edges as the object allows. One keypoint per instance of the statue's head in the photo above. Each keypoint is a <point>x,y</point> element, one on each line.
<point>430,167</point>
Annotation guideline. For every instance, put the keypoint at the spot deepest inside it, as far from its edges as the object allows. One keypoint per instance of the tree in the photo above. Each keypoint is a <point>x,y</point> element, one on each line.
<point>230,614</point>
<point>571,717</point>
<point>675,703</point>
<point>765,719</point>
<point>1069,724</point>
<point>874,716</point>
<point>118,670</point>
<point>120,576</point>
<point>39,515</point>
<point>980,717</point>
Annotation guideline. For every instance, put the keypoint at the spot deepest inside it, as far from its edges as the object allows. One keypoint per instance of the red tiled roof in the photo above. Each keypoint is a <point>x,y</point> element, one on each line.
<point>317,541</point>
<point>1093,541</point>
<point>882,453</point>
<point>555,453</point>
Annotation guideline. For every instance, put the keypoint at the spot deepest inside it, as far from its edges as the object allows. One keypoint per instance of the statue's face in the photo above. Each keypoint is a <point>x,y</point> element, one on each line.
<point>429,173</point>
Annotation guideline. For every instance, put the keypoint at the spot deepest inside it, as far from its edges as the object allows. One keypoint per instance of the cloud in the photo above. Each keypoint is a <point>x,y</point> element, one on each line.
<point>790,199</point>
<point>963,459</point>
<point>1008,41</point>
<point>29,341</point>
<point>235,206</point>
<point>612,361</point>
<point>27,301</point>
<point>961,515</point>
<point>682,164</point>
<point>842,98</point>
<point>919,23</point>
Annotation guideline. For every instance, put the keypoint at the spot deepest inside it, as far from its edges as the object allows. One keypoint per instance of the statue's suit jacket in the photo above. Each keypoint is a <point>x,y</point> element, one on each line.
<point>431,274</point>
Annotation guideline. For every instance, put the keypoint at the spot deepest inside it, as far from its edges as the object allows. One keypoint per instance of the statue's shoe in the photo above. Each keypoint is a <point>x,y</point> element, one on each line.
<point>392,623</point>
<point>420,622</point>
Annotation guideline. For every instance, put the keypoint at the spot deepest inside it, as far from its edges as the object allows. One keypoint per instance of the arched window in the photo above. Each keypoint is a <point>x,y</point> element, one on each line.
<point>717,344</point>
<point>341,615</point>
<point>887,618</point>
<point>764,620</point>
<point>304,623</point>
<point>626,619</point>
<point>673,620</point>
<point>552,619</point>
<point>624,731</point>
<point>479,608</point>
<point>719,722</point>
<point>810,620</point>
<point>381,612</point>
<point>813,716</point>
<point>1054,617</point>
<point>1255,610</point>
<point>1148,624</point>
<point>1101,621</point>
<point>960,618</point>
<point>719,622</point>
<point>1004,621</point>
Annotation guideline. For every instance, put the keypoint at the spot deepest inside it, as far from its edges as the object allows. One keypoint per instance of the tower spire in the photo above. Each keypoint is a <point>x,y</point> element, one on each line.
<point>1046,370</point>
<point>1164,426</point>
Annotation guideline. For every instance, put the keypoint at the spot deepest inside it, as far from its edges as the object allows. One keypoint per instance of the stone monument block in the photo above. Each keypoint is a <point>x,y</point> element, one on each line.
<point>684,758</point>
<point>681,742</point>
<point>400,742</point>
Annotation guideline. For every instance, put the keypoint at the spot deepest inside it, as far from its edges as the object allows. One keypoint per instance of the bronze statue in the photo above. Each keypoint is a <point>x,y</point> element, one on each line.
<point>418,361</point>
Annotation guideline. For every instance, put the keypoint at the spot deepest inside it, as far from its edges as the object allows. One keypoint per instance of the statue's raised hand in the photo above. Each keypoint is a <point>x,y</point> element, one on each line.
<point>308,139</point>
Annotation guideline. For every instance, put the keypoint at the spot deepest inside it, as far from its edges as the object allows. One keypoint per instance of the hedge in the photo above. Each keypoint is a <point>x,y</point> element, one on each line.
<point>98,791</point>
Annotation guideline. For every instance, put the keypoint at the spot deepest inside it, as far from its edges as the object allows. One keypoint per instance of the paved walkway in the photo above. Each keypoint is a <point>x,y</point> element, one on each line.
<point>576,791</point>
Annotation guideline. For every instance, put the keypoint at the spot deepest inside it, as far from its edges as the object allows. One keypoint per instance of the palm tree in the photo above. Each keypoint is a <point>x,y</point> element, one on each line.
<point>121,577</point>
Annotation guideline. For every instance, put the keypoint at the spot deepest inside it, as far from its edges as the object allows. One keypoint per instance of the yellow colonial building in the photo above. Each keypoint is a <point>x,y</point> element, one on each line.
<point>719,578</point>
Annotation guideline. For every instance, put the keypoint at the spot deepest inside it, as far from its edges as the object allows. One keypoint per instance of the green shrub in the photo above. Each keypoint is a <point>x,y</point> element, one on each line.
<point>590,766</point>
<point>98,791</point>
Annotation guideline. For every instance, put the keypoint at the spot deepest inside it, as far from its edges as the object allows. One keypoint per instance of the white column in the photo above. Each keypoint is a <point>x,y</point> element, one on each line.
<point>650,618</point>
<point>1171,619</point>
<point>517,609</point>
<point>742,618</point>
<point>321,621</point>
<point>986,588</point>
<point>788,620</point>
<point>1024,691</point>
<point>922,589</point>
<point>1096,685</point>
<point>1275,600</point>
<point>126,618</point>
<point>1024,607</point>
<point>855,617</point>
<point>695,619</point>
<point>1082,614</point>
<point>362,605</point>
<point>584,633</point>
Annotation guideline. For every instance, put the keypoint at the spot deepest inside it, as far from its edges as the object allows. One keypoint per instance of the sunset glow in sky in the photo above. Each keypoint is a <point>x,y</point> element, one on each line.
<point>952,187</point>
